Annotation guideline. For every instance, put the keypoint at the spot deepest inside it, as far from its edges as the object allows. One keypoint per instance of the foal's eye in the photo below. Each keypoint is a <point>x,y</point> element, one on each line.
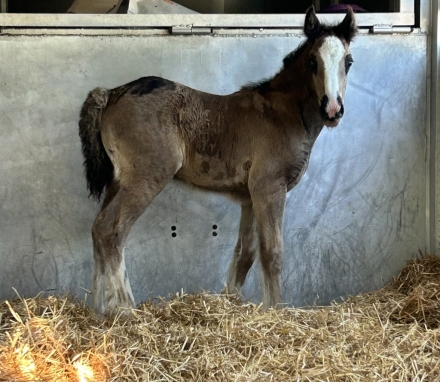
<point>313,64</point>
<point>348,63</point>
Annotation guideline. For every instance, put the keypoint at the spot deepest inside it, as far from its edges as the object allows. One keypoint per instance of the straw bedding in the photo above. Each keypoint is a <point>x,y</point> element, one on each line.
<point>390,335</point>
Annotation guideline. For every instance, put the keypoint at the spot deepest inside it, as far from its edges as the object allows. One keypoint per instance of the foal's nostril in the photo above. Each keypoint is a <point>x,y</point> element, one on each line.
<point>340,113</point>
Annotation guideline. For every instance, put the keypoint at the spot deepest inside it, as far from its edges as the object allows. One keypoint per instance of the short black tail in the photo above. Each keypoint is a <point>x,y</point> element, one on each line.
<point>97,165</point>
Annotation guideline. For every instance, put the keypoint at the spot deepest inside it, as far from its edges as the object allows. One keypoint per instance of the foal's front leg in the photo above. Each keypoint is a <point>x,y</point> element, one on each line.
<point>269,198</point>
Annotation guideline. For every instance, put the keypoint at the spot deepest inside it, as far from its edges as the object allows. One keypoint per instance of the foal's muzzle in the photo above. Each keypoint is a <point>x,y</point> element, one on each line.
<point>331,111</point>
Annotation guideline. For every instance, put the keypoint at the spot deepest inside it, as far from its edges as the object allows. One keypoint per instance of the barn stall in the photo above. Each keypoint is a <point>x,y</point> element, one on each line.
<point>366,205</point>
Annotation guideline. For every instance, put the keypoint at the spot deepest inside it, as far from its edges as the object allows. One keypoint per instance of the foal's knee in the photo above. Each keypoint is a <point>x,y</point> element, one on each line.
<point>272,259</point>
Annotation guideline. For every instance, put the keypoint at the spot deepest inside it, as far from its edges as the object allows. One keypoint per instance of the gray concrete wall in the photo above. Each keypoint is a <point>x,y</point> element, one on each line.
<point>357,215</point>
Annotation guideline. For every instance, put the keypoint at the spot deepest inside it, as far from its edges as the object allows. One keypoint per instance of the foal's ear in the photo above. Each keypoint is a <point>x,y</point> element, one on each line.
<point>347,28</point>
<point>312,26</point>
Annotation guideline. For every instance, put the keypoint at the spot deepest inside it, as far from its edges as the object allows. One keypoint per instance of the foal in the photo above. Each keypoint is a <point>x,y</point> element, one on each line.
<point>254,144</point>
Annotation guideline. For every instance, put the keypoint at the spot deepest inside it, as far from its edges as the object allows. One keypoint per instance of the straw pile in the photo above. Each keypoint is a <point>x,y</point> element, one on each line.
<point>388,335</point>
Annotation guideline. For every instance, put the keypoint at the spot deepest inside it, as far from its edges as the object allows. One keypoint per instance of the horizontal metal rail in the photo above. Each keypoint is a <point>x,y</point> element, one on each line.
<point>194,20</point>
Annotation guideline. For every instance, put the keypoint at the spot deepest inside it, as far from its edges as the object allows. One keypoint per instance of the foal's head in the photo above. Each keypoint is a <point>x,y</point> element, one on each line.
<point>328,61</point>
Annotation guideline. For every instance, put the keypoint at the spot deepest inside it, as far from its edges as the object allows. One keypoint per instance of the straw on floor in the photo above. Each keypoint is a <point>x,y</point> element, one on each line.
<point>392,334</point>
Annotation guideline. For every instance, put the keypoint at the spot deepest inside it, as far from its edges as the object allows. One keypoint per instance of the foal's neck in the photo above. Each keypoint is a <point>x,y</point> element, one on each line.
<point>295,84</point>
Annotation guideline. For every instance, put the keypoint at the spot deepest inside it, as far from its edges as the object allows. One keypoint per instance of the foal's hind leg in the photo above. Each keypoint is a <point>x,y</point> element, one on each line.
<point>245,250</point>
<point>125,203</point>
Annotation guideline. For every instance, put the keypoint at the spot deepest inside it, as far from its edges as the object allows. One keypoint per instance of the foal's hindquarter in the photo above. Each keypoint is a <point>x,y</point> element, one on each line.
<point>253,145</point>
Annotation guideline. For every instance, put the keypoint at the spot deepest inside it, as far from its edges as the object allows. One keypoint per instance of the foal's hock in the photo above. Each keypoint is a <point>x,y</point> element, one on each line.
<point>253,145</point>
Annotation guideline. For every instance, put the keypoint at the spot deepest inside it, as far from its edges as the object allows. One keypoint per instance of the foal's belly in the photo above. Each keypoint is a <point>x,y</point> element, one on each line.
<point>216,175</point>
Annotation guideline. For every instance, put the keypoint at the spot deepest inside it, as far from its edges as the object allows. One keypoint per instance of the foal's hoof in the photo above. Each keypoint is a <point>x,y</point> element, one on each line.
<point>113,311</point>
<point>122,313</point>
<point>230,291</point>
<point>117,313</point>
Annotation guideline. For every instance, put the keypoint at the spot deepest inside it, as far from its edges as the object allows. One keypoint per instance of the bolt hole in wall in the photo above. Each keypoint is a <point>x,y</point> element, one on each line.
<point>219,6</point>
<point>174,229</point>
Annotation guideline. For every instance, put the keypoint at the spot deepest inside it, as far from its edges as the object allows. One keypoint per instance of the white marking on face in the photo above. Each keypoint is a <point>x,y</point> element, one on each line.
<point>332,52</point>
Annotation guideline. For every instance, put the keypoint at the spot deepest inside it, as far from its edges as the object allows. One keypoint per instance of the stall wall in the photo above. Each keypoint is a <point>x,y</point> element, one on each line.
<point>358,214</point>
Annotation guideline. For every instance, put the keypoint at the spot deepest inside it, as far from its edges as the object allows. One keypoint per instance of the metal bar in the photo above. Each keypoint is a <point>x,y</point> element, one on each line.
<point>3,6</point>
<point>181,29</point>
<point>156,32</point>
<point>201,31</point>
<point>433,144</point>
<point>82,32</point>
<point>389,29</point>
<point>394,5</point>
<point>259,32</point>
<point>317,4</point>
<point>425,15</point>
<point>195,20</point>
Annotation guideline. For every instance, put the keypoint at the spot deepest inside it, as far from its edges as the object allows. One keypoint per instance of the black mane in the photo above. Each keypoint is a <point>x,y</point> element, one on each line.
<point>264,85</point>
<point>292,57</point>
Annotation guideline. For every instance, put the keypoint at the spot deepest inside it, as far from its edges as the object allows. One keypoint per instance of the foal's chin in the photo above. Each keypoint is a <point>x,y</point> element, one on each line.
<point>333,123</point>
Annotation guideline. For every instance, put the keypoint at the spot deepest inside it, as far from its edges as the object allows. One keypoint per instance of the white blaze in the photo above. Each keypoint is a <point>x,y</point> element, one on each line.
<point>332,52</point>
